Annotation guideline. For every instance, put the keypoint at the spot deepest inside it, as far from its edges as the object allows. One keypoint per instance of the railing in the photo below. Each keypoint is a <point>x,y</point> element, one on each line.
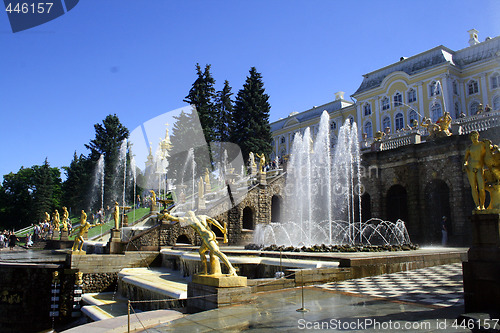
<point>479,122</point>
<point>461,126</point>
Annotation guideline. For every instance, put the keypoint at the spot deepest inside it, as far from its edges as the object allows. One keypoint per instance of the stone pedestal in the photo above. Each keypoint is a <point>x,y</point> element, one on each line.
<point>201,204</point>
<point>115,244</point>
<point>64,235</point>
<point>211,292</point>
<point>154,208</point>
<point>125,220</point>
<point>82,252</point>
<point>262,179</point>
<point>482,270</point>
<point>55,234</point>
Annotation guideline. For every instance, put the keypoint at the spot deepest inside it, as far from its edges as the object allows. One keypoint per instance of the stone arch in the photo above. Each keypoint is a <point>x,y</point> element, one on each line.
<point>248,218</point>
<point>397,203</point>
<point>183,239</point>
<point>437,205</point>
<point>276,208</point>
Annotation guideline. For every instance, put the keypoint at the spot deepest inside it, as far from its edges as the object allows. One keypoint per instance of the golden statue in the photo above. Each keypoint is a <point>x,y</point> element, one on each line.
<point>492,174</point>
<point>153,198</point>
<point>207,179</point>
<point>79,278</point>
<point>474,166</point>
<point>200,224</point>
<point>55,277</point>
<point>56,219</point>
<point>444,123</point>
<point>47,217</point>
<point>201,189</point>
<point>379,135</point>
<point>65,219</point>
<point>116,215</point>
<point>82,229</point>
<point>262,161</point>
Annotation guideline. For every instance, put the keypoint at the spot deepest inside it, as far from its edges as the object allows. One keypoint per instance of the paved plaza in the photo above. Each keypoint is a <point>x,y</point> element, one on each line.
<point>423,300</point>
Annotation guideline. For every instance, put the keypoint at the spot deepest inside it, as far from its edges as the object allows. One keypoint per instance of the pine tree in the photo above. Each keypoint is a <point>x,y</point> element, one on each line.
<point>77,183</point>
<point>250,117</point>
<point>224,107</point>
<point>46,189</point>
<point>108,139</point>
<point>201,96</point>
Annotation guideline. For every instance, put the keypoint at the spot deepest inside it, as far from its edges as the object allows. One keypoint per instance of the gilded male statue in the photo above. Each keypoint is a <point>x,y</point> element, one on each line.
<point>474,166</point>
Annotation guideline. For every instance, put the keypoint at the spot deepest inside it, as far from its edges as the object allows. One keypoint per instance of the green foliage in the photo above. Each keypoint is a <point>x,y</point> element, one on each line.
<point>224,107</point>
<point>250,117</point>
<point>77,184</point>
<point>28,194</point>
<point>108,138</point>
<point>201,95</point>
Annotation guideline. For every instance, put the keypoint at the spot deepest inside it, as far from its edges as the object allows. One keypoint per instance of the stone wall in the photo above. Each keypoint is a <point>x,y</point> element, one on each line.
<point>418,169</point>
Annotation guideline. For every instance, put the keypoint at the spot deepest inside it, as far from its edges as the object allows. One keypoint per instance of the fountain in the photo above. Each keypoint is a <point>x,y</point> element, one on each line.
<point>323,196</point>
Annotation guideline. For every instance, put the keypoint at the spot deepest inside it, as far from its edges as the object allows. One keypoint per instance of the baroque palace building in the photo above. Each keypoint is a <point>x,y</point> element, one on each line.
<point>416,177</point>
<point>425,85</point>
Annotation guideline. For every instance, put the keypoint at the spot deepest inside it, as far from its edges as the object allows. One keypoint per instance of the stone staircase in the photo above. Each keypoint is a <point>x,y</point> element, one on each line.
<point>156,288</point>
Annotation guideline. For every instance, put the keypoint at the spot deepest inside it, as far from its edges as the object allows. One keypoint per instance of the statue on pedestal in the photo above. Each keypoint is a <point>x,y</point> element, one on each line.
<point>65,219</point>
<point>482,164</point>
<point>200,224</point>
<point>116,215</point>
<point>262,162</point>
<point>56,220</point>
<point>153,200</point>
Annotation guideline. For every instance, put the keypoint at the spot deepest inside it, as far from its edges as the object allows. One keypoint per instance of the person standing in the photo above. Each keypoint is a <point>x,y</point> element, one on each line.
<point>12,240</point>
<point>444,231</point>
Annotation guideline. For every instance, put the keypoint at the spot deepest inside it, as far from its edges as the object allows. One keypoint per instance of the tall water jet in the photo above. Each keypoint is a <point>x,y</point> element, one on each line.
<point>98,183</point>
<point>134,178</point>
<point>323,193</point>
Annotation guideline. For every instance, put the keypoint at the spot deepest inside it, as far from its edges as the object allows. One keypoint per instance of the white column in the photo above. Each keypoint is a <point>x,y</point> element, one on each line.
<point>447,99</point>
<point>484,89</point>
<point>461,89</point>
<point>420,96</point>
<point>377,114</point>
<point>359,120</point>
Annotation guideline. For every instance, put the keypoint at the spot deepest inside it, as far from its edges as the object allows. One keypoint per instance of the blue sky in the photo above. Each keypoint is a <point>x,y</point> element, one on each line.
<point>136,58</point>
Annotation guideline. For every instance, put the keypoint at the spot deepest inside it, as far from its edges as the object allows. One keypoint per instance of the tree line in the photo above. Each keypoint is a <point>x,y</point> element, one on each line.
<point>26,195</point>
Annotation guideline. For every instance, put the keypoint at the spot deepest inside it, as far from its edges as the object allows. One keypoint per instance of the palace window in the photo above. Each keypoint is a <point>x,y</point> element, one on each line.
<point>434,88</point>
<point>398,99</point>
<point>436,112</point>
<point>472,87</point>
<point>333,126</point>
<point>385,103</point>
<point>413,116</point>
<point>412,96</point>
<point>457,110</point>
<point>455,87</point>
<point>367,108</point>
<point>386,123</point>
<point>495,81</point>
<point>399,121</point>
<point>351,120</point>
<point>496,103</point>
<point>474,107</point>
<point>283,140</point>
<point>368,129</point>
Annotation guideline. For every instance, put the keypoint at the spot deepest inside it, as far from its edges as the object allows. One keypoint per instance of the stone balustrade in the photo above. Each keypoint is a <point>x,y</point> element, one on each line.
<point>478,122</point>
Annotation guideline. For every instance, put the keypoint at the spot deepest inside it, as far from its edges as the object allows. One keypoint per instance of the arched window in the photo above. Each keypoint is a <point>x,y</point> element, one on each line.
<point>413,116</point>
<point>283,140</point>
<point>496,103</point>
<point>455,87</point>
<point>436,112</point>
<point>495,81</point>
<point>333,126</point>
<point>457,110</point>
<point>397,99</point>
<point>474,107</point>
<point>434,88</point>
<point>368,129</point>
<point>351,120</point>
<point>399,121</point>
<point>385,103</point>
<point>386,123</point>
<point>412,95</point>
<point>472,87</point>
<point>367,108</point>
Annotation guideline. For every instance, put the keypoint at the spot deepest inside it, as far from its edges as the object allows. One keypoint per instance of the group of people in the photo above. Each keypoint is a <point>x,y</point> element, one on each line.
<point>8,239</point>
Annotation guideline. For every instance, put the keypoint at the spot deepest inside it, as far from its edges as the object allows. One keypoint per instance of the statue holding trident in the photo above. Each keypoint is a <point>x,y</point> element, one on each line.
<point>200,224</point>
<point>82,229</point>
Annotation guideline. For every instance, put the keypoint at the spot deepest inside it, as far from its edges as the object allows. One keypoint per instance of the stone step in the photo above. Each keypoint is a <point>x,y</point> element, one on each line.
<point>100,306</point>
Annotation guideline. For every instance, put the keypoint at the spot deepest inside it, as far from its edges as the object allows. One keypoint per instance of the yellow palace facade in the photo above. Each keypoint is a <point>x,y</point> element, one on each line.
<point>464,83</point>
